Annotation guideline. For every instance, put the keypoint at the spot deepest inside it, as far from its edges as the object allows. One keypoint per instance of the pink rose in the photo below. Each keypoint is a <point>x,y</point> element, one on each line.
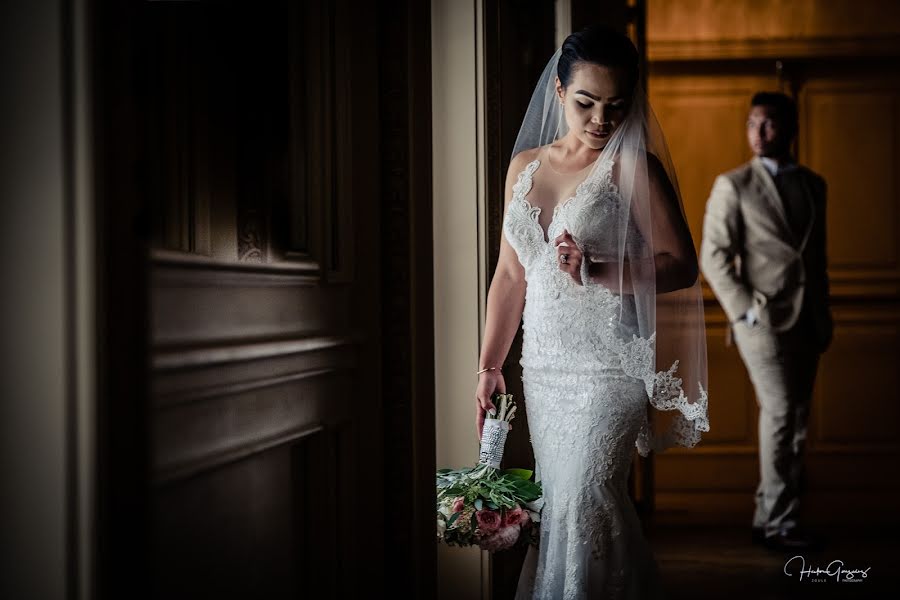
<point>488,521</point>
<point>516,516</point>
<point>503,539</point>
<point>458,504</point>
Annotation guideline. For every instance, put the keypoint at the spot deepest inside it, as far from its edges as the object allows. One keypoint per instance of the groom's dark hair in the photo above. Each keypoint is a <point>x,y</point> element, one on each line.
<point>600,45</point>
<point>785,109</point>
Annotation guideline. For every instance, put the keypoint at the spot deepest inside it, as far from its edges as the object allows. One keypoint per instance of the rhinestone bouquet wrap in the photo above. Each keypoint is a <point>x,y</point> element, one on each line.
<point>493,440</point>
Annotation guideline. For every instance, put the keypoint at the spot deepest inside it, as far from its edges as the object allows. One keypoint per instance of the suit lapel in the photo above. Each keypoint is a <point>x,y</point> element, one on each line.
<point>767,185</point>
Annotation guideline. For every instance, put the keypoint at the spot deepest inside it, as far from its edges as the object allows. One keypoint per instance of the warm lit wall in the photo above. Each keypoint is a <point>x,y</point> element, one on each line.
<point>458,201</point>
<point>707,59</point>
<point>46,352</point>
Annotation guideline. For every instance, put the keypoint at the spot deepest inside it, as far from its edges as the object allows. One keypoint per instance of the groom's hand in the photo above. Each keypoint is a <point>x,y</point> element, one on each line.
<point>565,245</point>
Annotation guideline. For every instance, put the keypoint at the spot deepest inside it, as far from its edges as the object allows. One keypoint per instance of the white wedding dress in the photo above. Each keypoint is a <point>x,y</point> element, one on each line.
<point>585,412</point>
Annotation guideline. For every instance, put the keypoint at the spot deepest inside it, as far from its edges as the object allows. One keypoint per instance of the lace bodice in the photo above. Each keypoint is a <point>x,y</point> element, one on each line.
<point>586,327</point>
<point>588,215</point>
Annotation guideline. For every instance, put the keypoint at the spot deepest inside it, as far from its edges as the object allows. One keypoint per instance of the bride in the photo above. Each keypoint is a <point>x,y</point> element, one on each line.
<point>597,261</point>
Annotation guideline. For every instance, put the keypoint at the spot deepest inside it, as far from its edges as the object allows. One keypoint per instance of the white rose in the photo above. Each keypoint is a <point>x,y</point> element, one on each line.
<point>536,505</point>
<point>534,509</point>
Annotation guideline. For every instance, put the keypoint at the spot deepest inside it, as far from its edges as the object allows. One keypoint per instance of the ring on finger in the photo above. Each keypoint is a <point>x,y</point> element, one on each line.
<point>563,258</point>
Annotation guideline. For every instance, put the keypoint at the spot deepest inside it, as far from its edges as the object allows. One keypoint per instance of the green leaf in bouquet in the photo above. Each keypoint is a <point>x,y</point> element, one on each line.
<point>518,473</point>
<point>445,470</point>
<point>453,519</point>
<point>492,505</point>
<point>527,490</point>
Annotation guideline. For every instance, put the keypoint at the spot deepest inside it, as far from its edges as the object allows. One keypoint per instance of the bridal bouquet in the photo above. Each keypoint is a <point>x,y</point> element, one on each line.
<point>485,505</point>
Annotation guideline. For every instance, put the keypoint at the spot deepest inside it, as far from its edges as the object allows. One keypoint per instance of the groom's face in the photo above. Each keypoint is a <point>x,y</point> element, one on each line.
<point>766,132</point>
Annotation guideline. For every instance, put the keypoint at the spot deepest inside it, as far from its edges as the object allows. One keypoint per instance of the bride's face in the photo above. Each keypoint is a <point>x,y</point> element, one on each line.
<point>595,102</point>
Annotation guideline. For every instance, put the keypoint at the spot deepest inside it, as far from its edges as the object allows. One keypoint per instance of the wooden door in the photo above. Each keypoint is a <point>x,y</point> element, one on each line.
<point>265,180</point>
<point>257,414</point>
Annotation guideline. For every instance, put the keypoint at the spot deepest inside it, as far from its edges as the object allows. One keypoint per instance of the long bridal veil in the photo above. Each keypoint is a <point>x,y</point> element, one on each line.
<point>659,331</point>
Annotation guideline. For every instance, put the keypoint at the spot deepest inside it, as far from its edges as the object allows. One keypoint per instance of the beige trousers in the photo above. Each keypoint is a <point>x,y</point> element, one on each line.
<point>782,367</point>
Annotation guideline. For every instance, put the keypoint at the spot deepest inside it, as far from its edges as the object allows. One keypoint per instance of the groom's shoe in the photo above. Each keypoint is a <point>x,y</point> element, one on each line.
<point>792,540</point>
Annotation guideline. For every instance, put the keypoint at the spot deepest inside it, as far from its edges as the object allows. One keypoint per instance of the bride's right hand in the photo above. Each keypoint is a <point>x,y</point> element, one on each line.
<point>489,382</point>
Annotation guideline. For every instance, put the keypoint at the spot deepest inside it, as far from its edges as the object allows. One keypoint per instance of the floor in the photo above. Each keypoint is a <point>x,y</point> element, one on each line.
<point>721,563</point>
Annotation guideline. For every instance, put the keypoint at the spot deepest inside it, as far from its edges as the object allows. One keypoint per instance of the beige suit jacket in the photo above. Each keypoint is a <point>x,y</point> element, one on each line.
<point>751,258</point>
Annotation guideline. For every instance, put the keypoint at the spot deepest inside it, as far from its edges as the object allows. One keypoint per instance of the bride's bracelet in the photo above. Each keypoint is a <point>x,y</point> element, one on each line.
<point>485,369</point>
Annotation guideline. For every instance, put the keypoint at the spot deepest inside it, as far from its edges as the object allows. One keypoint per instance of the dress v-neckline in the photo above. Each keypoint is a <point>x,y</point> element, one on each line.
<point>535,211</point>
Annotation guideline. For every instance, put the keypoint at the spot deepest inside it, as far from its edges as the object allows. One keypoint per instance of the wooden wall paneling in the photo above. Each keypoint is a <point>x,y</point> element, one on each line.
<point>703,118</point>
<point>266,514</point>
<point>851,135</point>
<point>856,377</point>
<point>718,490</point>
<point>260,122</point>
<point>206,432</point>
<point>177,87</point>
<point>222,146</point>
<point>753,29</point>
<point>197,301</point>
<point>298,218</point>
<point>193,146</point>
<point>312,218</point>
<point>318,89</point>
<point>293,215</point>
<point>184,375</point>
<point>341,263</point>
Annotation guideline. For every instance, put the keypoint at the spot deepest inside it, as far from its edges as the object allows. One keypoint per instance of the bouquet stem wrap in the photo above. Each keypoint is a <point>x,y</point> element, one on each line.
<point>493,440</point>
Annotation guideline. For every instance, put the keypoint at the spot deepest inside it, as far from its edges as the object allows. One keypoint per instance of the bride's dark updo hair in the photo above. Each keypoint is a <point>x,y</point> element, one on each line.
<point>600,45</point>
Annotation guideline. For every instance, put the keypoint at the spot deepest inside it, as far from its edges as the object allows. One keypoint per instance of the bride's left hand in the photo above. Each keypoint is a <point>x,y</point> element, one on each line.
<point>565,244</point>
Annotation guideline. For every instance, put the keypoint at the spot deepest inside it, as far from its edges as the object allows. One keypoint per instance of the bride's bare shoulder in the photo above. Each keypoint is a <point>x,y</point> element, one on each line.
<point>522,159</point>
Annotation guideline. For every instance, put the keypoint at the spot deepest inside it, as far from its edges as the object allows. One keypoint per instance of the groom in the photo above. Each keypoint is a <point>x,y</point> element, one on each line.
<point>763,254</point>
